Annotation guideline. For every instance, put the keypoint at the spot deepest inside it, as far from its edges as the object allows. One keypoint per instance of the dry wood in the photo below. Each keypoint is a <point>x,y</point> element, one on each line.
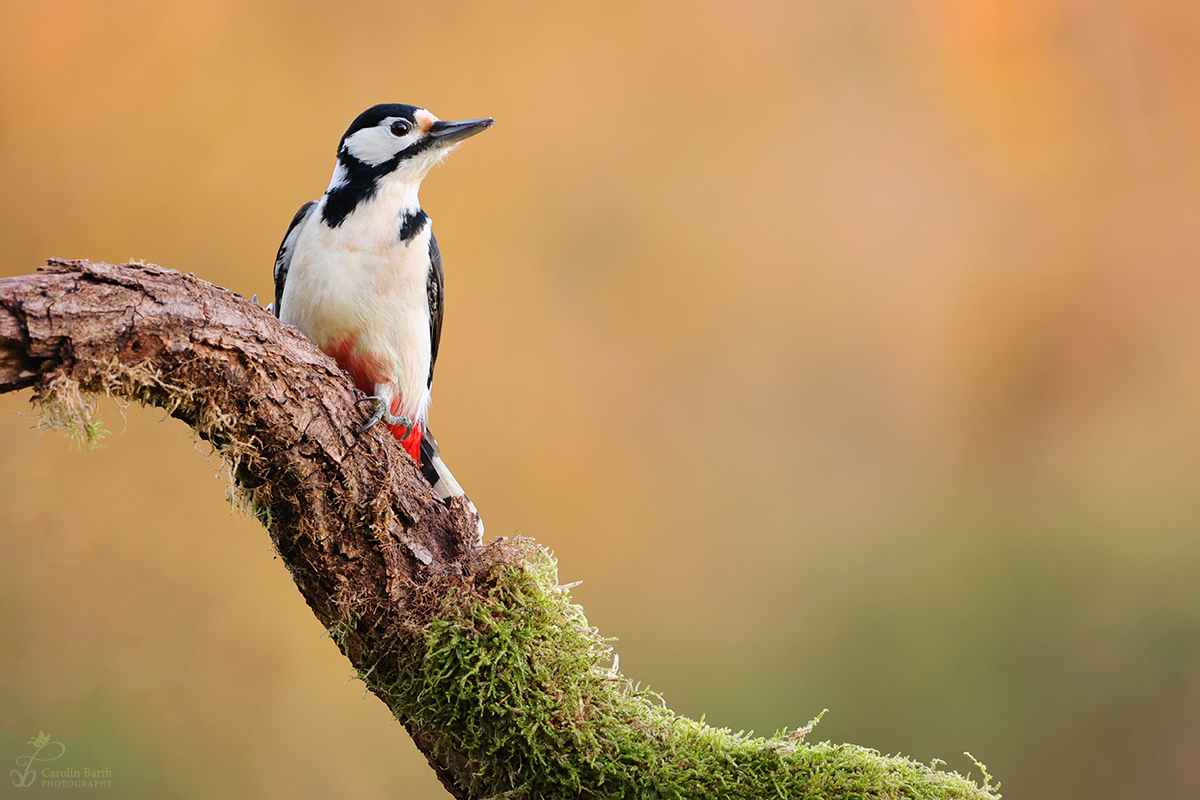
<point>496,675</point>
<point>351,516</point>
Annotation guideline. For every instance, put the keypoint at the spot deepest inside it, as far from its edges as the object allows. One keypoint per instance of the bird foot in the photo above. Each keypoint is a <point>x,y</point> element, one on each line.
<point>379,411</point>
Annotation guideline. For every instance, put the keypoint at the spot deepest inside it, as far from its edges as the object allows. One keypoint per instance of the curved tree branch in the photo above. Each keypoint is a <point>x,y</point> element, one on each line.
<point>476,650</point>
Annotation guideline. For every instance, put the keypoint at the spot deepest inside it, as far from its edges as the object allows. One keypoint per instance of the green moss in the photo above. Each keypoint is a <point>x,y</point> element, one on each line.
<point>68,411</point>
<point>512,688</point>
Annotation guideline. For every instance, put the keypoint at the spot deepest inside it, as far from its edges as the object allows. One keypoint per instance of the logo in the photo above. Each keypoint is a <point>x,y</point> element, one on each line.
<point>35,769</point>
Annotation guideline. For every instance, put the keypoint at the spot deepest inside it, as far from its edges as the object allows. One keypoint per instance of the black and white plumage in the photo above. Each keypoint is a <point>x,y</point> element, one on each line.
<point>359,271</point>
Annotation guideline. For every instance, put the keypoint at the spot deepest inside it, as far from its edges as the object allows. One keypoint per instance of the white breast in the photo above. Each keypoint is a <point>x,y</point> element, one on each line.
<point>359,282</point>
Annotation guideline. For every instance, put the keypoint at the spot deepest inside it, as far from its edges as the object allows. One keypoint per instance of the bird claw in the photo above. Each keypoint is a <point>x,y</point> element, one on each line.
<point>379,411</point>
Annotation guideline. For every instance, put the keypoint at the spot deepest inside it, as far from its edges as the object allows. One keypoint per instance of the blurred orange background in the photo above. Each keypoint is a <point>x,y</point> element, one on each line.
<point>848,353</point>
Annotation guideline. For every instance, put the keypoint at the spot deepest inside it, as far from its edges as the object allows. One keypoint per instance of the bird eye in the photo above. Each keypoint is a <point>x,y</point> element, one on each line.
<point>401,128</point>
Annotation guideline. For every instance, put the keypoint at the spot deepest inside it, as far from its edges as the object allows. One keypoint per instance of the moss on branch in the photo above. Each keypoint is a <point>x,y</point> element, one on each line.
<point>507,679</point>
<point>476,650</point>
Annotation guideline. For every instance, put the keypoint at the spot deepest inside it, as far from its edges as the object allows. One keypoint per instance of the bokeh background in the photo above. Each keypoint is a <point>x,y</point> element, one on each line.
<point>847,352</point>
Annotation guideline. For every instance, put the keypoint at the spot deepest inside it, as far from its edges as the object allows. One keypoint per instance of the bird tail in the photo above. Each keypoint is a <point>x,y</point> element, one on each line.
<point>441,479</point>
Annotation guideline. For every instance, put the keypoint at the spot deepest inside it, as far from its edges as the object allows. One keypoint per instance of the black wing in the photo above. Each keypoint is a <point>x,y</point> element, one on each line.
<point>284,259</point>
<point>436,288</point>
<point>430,455</point>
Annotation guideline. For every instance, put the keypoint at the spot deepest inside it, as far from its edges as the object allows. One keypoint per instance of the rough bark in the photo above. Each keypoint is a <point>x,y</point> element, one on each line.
<point>350,515</point>
<point>498,678</point>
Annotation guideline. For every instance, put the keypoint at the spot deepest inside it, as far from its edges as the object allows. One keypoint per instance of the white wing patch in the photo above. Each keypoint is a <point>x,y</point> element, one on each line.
<point>284,259</point>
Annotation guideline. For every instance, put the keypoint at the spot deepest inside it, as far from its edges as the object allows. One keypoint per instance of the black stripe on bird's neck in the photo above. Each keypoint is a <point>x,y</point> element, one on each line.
<point>359,185</point>
<point>411,223</point>
<point>361,182</point>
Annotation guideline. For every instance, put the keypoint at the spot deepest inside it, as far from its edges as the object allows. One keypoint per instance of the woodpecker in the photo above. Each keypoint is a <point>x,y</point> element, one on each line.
<point>359,272</point>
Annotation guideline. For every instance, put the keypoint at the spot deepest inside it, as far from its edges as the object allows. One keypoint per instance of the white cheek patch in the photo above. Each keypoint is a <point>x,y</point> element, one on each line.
<point>376,145</point>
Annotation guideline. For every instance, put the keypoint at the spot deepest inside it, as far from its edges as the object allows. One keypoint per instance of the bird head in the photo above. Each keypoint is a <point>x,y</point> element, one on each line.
<point>400,141</point>
<point>394,146</point>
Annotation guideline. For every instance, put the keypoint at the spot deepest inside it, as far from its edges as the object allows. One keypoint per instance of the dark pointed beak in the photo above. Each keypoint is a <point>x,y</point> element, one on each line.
<point>444,133</point>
